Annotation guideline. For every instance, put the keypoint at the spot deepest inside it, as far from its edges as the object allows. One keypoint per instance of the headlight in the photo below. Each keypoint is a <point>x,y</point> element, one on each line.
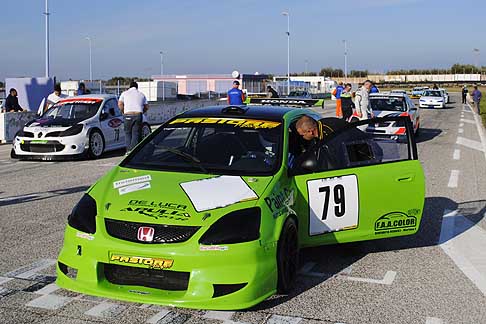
<point>76,129</point>
<point>236,227</point>
<point>83,216</point>
<point>20,132</point>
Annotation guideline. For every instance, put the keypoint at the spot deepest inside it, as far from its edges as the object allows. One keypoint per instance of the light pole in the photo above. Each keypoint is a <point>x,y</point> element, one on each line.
<point>46,13</point>
<point>345,61</point>
<point>162,73</point>
<point>90,60</point>
<point>306,65</point>
<point>476,54</point>
<point>287,13</point>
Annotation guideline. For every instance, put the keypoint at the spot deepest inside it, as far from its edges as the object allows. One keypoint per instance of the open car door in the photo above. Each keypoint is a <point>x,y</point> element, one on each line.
<point>363,186</point>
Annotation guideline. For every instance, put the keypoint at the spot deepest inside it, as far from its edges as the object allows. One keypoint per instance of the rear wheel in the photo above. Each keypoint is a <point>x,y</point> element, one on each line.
<point>287,257</point>
<point>96,144</point>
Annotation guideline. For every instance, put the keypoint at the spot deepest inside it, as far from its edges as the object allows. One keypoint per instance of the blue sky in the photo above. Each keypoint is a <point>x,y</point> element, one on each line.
<point>219,36</point>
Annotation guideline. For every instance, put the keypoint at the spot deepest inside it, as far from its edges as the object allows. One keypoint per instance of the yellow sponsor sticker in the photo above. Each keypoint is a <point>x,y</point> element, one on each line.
<point>236,122</point>
<point>152,263</point>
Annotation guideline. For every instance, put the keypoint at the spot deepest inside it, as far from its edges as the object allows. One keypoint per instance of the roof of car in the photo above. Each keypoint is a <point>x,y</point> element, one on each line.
<point>102,96</point>
<point>388,94</point>
<point>258,112</point>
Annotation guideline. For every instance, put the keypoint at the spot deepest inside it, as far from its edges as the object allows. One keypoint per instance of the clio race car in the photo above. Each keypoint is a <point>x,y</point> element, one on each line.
<point>87,125</point>
<point>393,104</point>
<point>432,99</point>
<point>417,92</point>
<point>211,209</point>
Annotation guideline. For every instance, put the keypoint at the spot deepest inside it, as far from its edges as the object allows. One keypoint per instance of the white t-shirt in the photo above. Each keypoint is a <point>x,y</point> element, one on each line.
<point>53,98</point>
<point>133,100</point>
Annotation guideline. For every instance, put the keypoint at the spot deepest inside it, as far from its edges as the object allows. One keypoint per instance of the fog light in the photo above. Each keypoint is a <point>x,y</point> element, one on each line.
<point>73,147</point>
<point>68,271</point>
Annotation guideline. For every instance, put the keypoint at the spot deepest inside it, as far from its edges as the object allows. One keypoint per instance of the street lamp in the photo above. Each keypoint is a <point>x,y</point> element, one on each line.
<point>287,13</point>
<point>46,13</point>
<point>90,60</point>
<point>306,65</point>
<point>345,61</point>
<point>162,73</point>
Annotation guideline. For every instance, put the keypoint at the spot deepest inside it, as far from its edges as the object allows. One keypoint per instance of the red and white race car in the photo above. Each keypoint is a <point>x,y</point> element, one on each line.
<point>393,105</point>
<point>87,125</point>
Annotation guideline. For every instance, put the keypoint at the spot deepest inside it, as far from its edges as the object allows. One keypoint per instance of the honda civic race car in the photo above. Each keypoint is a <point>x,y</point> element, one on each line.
<point>211,209</point>
<point>393,104</point>
<point>87,125</point>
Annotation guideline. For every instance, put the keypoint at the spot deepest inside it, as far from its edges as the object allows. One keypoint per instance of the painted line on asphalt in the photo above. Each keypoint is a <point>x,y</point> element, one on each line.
<point>453,179</point>
<point>461,124</point>
<point>467,121</point>
<point>219,315</point>
<point>457,154</point>
<point>105,310</point>
<point>433,320</point>
<point>279,319</point>
<point>463,241</point>
<point>157,317</point>
<point>32,270</point>
<point>345,275</point>
<point>4,280</point>
<point>481,131</point>
<point>50,288</point>
<point>51,302</point>
<point>387,279</point>
<point>174,318</point>
<point>460,131</point>
<point>472,144</point>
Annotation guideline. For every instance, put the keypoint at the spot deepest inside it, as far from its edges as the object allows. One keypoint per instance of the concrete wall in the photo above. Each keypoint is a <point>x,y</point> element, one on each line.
<point>11,123</point>
<point>160,112</point>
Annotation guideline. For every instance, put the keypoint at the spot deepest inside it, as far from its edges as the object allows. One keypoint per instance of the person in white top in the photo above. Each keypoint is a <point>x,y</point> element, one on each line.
<point>133,104</point>
<point>54,97</point>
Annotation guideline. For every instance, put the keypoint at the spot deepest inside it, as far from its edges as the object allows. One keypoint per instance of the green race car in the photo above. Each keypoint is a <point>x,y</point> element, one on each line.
<point>211,209</point>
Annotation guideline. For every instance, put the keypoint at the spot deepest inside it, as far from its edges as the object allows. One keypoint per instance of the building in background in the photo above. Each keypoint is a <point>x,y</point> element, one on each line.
<point>311,84</point>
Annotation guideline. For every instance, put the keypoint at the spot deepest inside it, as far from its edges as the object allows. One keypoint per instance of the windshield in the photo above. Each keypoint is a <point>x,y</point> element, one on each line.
<point>212,145</point>
<point>73,110</point>
<point>388,104</point>
<point>432,93</point>
<point>297,94</point>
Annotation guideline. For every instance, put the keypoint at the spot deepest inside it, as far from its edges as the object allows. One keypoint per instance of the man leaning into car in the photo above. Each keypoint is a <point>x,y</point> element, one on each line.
<point>133,105</point>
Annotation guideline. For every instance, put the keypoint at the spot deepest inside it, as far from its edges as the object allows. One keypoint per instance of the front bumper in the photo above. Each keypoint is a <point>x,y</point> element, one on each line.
<point>431,105</point>
<point>64,148</point>
<point>250,267</point>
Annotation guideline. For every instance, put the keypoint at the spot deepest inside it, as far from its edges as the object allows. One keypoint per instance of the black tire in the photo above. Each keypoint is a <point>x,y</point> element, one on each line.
<point>146,130</point>
<point>13,155</point>
<point>287,257</point>
<point>96,144</point>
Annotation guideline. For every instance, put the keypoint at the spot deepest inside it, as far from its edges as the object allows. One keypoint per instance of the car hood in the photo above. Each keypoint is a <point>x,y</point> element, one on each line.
<point>50,122</point>
<point>386,113</point>
<point>431,98</point>
<point>172,198</point>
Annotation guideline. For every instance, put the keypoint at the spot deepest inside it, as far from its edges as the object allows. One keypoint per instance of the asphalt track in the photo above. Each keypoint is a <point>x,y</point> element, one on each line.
<point>436,276</point>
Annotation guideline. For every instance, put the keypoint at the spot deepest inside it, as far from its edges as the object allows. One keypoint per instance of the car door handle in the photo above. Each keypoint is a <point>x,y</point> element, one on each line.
<point>405,178</point>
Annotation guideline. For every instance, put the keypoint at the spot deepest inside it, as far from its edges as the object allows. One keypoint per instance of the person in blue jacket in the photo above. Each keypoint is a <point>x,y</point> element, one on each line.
<point>374,89</point>
<point>235,95</point>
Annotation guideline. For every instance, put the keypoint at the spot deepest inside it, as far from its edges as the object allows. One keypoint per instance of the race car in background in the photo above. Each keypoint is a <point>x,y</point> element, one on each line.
<point>81,126</point>
<point>211,210</point>
<point>445,94</point>
<point>432,99</point>
<point>417,92</point>
<point>393,105</point>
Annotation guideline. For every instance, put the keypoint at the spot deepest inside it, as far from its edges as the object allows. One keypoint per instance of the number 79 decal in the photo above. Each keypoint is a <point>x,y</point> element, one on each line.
<point>333,204</point>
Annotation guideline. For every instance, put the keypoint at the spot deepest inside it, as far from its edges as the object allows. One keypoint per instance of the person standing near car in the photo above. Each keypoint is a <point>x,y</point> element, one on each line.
<point>362,101</point>
<point>337,93</point>
<point>54,97</point>
<point>12,102</point>
<point>464,94</point>
<point>347,103</point>
<point>477,95</point>
<point>235,95</point>
<point>133,105</point>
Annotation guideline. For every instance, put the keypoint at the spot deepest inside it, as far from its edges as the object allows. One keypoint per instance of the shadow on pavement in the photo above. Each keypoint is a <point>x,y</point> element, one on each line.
<point>336,258</point>
<point>5,201</point>
<point>427,134</point>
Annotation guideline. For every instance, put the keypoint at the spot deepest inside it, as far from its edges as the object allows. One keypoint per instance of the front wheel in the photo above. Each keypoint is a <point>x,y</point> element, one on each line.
<point>96,144</point>
<point>287,257</point>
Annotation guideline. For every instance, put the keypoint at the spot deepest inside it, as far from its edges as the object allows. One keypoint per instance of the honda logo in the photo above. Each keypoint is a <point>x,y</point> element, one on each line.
<point>145,234</point>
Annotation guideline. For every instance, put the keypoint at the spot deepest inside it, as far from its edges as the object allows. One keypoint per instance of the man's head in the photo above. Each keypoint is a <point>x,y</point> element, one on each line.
<point>348,87</point>
<point>134,84</point>
<point>57,89</point>
<point>341,83</point>
<point>475,87</point>
<point>13,92</point>
<point>307,128</point>
<point>269,87</point>
<point>367,85</point>
<point>236,84</point>
<point>82,86</point>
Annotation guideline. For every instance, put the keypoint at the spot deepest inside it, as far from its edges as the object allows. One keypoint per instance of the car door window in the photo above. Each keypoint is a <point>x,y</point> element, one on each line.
<point>110,108</point>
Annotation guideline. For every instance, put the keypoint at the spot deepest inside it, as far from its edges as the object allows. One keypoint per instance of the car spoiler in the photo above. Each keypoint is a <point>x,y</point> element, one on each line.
<point>293,102</point>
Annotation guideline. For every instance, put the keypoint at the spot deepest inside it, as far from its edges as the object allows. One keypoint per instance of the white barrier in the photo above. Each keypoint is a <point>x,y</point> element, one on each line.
<point>160,112</point>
